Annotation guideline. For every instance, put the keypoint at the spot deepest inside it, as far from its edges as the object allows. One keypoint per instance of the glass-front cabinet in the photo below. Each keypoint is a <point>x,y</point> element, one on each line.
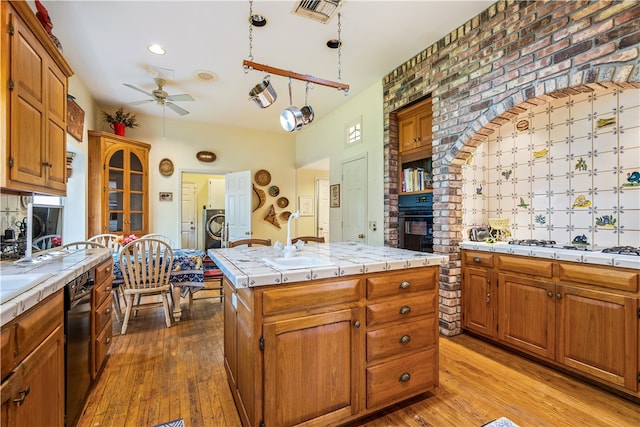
<point>121,195</point>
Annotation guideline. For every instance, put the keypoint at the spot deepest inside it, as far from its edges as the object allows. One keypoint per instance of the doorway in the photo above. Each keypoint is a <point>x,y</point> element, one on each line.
<point>200,181</point>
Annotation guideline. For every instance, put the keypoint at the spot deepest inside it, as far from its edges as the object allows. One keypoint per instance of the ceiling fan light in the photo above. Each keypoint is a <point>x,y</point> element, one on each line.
<point>156,49</point>
<point>258,20</point>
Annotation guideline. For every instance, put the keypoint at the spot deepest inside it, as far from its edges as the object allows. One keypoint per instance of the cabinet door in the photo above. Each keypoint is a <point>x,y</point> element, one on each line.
<point>56,131</point>
<point>478,301</point>
<point>230,313</point>
<point>295,391</point>
<point>598,334</point>
<point>526,314</point>
<point>407,133</point>
<point>42,374</point>
<point>424,124</point>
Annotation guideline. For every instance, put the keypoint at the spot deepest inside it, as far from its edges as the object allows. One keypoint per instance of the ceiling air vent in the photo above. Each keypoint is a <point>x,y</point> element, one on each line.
<point>318,10</point>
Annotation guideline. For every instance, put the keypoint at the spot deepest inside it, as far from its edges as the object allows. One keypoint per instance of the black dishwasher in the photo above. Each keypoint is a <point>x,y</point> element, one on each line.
<point>77,331</point>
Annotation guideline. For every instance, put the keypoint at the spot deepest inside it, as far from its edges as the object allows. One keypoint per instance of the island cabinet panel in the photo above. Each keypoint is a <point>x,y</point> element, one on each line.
<point>293,349</point>
<point>307,353</point>
<point>583,318</point>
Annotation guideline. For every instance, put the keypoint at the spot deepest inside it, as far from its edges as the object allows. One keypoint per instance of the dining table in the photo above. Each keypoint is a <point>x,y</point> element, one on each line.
<point>187,275</point>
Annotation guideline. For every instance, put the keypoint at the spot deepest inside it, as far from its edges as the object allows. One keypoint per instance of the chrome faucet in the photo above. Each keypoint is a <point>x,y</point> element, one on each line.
<point>290,249</point>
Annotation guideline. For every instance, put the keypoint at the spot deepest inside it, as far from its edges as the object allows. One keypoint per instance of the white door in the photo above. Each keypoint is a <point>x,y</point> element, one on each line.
<point>189,224</point>
<point>322,208</point>
<point>354,200</point>
<point>237,201</point>
<point>216,193</point>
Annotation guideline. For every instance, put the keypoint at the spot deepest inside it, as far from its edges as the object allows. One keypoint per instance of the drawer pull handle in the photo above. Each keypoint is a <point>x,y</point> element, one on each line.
<point>405,309</point>
<point>108,269</point>
<point>404,284</point>
<point>404,378</point>
<point>357,324</point>
<point>23,395</point>
<point>405,339</point>
<point>477,259</point>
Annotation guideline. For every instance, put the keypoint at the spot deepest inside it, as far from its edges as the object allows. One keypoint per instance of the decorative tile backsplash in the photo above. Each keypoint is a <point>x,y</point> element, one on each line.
<point>563,170</point>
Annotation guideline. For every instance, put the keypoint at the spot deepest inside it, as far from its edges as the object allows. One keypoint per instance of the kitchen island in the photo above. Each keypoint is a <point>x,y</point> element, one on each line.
<point>348,331</point>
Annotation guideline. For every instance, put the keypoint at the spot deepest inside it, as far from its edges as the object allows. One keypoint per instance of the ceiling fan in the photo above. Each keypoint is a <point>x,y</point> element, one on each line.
<point>162,97</point>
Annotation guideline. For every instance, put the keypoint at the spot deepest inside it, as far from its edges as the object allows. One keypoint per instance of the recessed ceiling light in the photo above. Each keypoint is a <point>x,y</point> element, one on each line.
<point>258,20</point>
<point>334,43</point>
<point>206,76</point>
<point>157,49</point>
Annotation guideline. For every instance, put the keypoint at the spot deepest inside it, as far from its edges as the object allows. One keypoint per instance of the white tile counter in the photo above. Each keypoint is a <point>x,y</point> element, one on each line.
<point>57,269</point>
<point>244,266</point>
<point>572,255</point>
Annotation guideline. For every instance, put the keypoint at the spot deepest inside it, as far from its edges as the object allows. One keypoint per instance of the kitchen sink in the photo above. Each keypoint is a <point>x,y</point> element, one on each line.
<point>295,262</point>
<point>12,285</point>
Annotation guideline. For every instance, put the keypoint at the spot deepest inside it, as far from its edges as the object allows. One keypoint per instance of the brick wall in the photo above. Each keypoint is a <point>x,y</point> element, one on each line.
<point>514,55</point>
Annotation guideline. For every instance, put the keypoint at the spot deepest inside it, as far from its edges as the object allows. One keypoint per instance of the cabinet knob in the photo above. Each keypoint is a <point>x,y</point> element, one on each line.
<point>23,395</point>
<point>108,340</point>
<point>405,339</point>
<point>108,269</point>
<point>107,289</point>
<point>404,284</point>
<point>404,377</point>
<point>549,293</point>
<point>360,236</point>
<point>107,311</point>
<point>357,324</point>
<point>558,295</point>
<point>405,309</point>
<point>476,259</point>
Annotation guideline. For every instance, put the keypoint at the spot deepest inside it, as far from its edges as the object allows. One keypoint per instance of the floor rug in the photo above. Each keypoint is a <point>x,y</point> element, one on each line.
<point>500,422</point>
<point>175,423</point>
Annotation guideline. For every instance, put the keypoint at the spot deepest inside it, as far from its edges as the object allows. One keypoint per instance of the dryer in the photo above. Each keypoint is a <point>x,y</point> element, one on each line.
<point>213,228</point>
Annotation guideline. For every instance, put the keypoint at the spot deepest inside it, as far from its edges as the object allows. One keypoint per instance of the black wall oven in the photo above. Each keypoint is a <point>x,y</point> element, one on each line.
<point>415,222</point>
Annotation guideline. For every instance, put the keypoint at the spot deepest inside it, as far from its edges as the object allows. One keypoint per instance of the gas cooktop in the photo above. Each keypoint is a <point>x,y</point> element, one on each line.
<point>620,250</point>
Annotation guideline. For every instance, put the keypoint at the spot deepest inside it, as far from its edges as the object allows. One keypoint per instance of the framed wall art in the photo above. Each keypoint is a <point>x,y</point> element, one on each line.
<point>75,119</point>
<point>306,205</point>
<point>334,196</point>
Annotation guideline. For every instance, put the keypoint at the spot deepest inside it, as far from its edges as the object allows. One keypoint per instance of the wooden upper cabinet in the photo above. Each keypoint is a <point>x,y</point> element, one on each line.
<point>414,126</point>
<point>34,91</point>
<point>118,185</point>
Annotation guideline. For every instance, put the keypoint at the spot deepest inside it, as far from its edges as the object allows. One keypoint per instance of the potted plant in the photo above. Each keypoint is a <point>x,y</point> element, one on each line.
<point>120,120</point>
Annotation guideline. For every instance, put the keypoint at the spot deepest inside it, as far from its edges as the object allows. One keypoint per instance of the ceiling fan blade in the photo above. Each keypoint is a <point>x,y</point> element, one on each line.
<point>180,97</point>
<point>141,102</point>
<point>177,109</point>
<point>138,89</point>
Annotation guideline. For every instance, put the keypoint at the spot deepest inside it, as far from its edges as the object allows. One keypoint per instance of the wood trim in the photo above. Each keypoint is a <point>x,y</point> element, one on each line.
<point>294,75</point>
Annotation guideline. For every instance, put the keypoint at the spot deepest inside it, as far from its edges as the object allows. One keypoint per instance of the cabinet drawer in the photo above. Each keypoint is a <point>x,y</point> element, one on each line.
<point>401,309</point>
<point>412,280</point>
<point>401,339</point>
<point>104,272</point>
<point>102,346</point>
<point>480,259</point>
<point>103,314</point>
<point>101,292</point>
<point>308,296</point>
<point>614,278</point>
<point>401,378</point>
<point>525,265</point>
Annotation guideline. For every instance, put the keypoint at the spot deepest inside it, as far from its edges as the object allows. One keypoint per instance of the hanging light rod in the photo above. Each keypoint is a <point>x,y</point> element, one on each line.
<point>304,77</point>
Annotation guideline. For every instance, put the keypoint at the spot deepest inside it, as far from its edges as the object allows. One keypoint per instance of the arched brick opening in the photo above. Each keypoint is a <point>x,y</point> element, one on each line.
<point>513,56</point>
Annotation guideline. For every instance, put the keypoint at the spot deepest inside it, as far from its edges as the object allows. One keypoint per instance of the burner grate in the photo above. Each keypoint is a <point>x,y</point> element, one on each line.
<point>533,242</point>
<point>622,250</point>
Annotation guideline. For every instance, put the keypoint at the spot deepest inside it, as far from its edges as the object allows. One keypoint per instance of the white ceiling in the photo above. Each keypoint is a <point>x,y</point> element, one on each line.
<point>105,43</point>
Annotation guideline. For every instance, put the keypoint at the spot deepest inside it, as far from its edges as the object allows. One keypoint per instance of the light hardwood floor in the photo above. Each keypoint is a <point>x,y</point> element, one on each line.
<point>156,374</point>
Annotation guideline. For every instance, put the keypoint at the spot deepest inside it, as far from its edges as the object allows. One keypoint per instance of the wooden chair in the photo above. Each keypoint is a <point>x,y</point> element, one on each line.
<point>146,266</point>
<point>249,242</point>
<point>212,278</point>
<point>44,242</point>
<point>308,239</point>
<point>159,237</point>
<point>108,240</point>
<point>83,244</point>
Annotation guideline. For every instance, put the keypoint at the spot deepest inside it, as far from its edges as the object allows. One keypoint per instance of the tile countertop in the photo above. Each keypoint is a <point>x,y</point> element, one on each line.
<point>62,267</point>
<point>571,255</point>
<point>245,267</point>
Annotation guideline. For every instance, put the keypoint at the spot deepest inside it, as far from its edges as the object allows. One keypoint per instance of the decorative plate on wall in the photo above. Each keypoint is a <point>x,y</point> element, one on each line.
<point>263,177</point>
<point>283,202</point>
<point>274,190</point>
<point>166,167</point>
<point>206,156</point>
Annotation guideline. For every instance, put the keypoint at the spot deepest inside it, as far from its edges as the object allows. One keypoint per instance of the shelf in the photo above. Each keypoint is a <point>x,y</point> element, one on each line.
<point>409,193</point>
